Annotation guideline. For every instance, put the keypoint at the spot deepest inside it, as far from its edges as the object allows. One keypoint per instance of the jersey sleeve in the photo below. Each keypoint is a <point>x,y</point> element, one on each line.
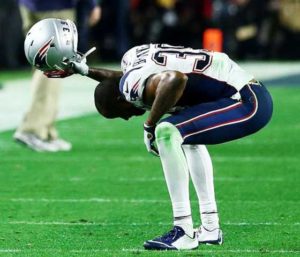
<point>133,82</point>
<point>132,85</point>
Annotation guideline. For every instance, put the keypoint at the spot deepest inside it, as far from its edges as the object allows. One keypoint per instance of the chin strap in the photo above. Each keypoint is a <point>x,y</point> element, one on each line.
<point>58,73</point>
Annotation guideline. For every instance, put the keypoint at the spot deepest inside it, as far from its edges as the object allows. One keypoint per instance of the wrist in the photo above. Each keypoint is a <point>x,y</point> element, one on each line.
<point>149,124</point>
<point>84,70</point>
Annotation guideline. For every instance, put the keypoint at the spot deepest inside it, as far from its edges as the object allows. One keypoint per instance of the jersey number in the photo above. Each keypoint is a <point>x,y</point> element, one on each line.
<point>202,59</point>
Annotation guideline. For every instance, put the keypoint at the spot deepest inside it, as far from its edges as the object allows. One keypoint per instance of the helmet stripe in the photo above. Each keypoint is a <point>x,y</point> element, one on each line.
<point>40,57</point>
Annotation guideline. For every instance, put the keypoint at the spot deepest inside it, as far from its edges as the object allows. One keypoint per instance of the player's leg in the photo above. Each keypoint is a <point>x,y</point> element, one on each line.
<point>182,236</point>
<point>38,122</point>
<point>225,119</point>
<point>201,170</point>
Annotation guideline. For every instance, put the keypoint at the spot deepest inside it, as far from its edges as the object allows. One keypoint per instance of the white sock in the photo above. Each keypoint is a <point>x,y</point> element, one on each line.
<point>186,223</point>
<point>201,170</point>
<point>169,140</point>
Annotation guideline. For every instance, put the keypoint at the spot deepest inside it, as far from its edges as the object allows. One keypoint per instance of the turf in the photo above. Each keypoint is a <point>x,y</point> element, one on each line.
<point>106,196</point>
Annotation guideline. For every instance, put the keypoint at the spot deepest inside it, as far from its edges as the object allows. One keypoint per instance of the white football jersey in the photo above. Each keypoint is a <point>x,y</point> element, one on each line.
<point>212,68</point>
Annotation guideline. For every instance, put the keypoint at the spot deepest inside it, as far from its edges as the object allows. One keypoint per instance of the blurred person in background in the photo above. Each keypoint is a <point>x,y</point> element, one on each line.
<point>112,34</point>
<point>248,21</point>
<point>145,18</point>
<point>10,34</point>
<point>178,22</point>
<point>244,23</point>
<point>37,129</point>
<point>286,39</point>
<point>87,16</point>
<point>185,21</point>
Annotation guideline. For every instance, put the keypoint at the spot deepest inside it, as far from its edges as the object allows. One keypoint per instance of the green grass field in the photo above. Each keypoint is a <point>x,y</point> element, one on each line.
<point>108,195</point>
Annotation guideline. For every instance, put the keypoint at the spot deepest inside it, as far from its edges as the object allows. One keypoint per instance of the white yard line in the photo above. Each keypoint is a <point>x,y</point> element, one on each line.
<point>137,224</point>
<point>10,251</point>
<point>234,251</point>
<point>87,200</point>
<point>267,71</point>
<point>254,159</point>
<point>134,201</point>
<point>215,251</point>
<point>223,179</point>
<point>96,200</point>
<point>137,250</point>
<point>219,159</point>
<point>77,99</point>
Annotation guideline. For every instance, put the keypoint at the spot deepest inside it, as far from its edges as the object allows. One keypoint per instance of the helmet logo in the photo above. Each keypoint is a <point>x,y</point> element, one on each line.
<point>40,58</point>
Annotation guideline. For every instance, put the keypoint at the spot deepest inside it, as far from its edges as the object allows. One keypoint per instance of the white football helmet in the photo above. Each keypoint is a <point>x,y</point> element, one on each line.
<point>50,44</point>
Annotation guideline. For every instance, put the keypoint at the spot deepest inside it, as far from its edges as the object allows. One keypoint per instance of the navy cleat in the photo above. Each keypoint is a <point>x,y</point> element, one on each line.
<point>176,239</point>
<point>213,237</point>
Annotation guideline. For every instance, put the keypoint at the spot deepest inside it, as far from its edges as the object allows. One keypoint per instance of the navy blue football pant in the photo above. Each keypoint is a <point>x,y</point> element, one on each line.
<point>225,119</point>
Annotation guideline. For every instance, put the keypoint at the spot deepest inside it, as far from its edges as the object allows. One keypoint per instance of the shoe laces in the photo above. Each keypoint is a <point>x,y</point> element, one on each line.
<point>171,235</point>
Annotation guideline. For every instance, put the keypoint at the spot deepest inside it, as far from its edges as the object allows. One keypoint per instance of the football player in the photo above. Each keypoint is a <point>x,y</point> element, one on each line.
<point>208,100</point>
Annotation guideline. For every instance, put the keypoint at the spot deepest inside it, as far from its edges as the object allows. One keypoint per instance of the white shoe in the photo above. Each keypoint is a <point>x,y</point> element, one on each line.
<point>61,144</point>
<point>213,237</point>
<point>35,143</point>
<point>176,239</point>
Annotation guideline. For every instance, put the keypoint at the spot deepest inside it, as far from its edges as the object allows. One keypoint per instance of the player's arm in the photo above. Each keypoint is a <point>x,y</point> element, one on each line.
<point>102,74</point>
<point>162,92</point>
<point>98,74</point>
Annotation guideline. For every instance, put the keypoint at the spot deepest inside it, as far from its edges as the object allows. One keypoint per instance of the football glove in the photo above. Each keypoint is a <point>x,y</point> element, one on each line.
<point>149,139</point>
<point>79,66</point>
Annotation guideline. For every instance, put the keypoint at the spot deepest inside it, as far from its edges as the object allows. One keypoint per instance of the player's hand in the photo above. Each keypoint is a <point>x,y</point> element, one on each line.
<point>95,16</point>
<point>149,139</point>
<point>80,67</point>
<point>69,68</point>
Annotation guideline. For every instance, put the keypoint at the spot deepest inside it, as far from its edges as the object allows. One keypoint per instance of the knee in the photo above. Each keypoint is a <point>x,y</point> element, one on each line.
<point>166,131</point>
